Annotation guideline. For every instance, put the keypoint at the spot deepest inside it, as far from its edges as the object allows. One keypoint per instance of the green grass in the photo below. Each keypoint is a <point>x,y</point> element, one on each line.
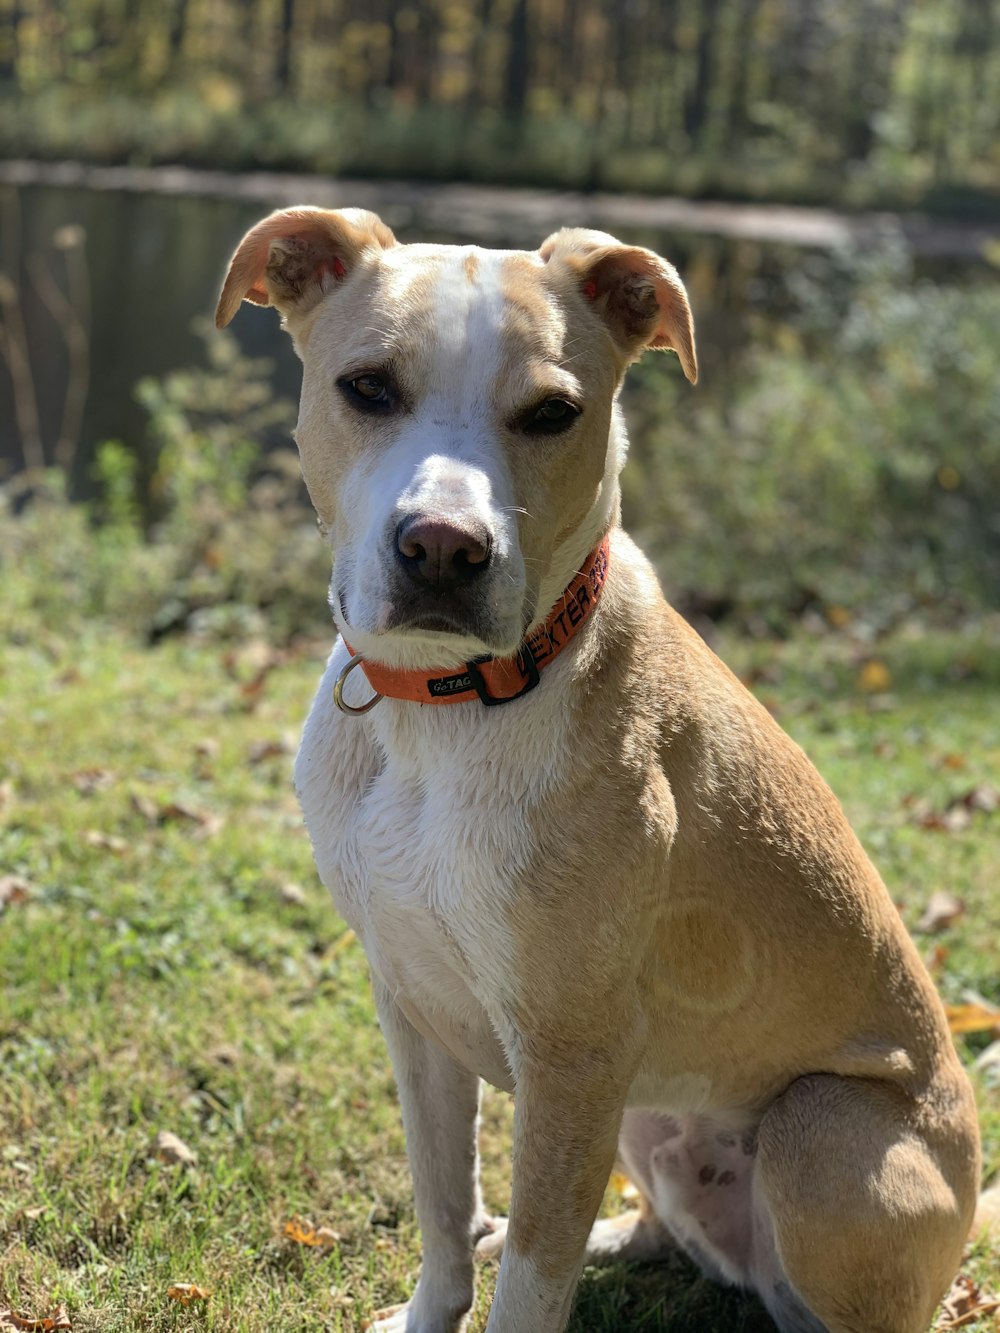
<point>158,977</point>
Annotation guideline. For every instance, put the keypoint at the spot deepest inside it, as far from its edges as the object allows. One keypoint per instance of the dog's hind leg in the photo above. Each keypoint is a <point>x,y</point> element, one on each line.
<point>440,1105</point>
<point>870,1193</point>
<point>636,1237</point>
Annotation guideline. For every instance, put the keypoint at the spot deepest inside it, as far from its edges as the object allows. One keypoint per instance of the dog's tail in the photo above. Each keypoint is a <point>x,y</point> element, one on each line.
<point>987,1220</point>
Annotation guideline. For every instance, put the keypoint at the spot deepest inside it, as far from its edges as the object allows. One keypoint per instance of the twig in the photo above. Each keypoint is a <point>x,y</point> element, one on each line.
<point>72,315</point>
<point>14,343</point>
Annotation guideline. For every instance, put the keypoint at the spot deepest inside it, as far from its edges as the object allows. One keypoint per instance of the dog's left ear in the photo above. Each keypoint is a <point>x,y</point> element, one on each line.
<point>638,294</point>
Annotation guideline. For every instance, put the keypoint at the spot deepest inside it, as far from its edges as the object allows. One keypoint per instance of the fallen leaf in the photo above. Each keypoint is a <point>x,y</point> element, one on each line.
<point>954,762</point>
<point>303,1232</point>
<point>982,798</point>
<point>293,895</point>
<point>13,889</point>
<point>59,1318</point>
<point>186,1292</point>
<point>955,819</point>
<point>874,677</point>
<point>965,1018</point>
<point>108,842</point>
<point>965,1303</point>
<point>207,824</point>
<point>144,807</point>
<point>207,748</point>
<point>943,910</point>
<point>173,1151</point>
<point>341,943</point>
<point>270,749</point>
<point>937,958</point>
<point>89,780</point>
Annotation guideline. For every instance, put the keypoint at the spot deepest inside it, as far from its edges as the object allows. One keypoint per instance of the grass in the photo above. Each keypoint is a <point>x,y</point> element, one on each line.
<point>161,974</point>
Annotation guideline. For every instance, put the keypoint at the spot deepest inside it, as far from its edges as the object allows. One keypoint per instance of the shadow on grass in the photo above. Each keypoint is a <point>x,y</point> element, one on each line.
<point>667,1297</point>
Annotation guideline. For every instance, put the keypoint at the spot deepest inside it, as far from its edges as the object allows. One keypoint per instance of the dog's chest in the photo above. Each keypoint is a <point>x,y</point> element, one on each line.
<point>422,840</point>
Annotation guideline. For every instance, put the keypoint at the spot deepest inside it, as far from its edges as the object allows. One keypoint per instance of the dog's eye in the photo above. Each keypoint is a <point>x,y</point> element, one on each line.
<point>367,392</point>
<point>550,417</point>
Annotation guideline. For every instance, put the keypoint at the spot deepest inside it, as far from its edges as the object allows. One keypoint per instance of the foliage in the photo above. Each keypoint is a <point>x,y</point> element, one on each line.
<point>854,459</point>
<point>232,542</point>
<point>765,98</point>
<point>171,964</point>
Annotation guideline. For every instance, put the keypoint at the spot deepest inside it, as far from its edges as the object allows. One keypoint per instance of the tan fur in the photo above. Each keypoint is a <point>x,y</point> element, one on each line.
<point>687,925</point>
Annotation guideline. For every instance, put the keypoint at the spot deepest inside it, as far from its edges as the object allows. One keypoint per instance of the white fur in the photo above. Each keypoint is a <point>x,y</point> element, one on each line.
<point>417,819</point>
<point>447,461</point>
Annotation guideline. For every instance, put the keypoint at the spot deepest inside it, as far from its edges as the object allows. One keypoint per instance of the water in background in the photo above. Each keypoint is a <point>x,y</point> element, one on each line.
<point>155,263</point>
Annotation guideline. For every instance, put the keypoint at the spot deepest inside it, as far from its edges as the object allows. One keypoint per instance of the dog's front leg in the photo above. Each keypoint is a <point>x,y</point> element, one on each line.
<point>566,1122</point>
<point>440,1105</point>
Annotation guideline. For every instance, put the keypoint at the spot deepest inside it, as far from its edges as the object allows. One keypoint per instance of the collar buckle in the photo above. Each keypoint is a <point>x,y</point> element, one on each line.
<point>529,668</point>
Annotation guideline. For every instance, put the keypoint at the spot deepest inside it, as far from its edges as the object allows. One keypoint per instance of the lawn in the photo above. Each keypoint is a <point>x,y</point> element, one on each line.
<point>171,963</point>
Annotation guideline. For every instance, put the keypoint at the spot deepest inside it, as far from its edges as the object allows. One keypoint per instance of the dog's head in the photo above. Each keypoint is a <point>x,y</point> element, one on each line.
<point>458,426</point>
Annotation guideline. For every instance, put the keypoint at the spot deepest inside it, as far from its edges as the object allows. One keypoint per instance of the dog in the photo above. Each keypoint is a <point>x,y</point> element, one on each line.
<point>585,863</point>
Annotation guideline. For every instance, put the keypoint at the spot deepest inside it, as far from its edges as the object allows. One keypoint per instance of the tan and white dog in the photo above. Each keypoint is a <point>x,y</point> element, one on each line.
<point>623,894</point>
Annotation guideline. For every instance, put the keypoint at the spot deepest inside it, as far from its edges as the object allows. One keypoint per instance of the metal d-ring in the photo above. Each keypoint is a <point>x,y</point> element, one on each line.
<point>338,690</point>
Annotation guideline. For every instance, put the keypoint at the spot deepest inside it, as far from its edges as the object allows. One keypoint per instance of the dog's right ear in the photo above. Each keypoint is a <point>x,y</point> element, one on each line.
<point>292,258</point>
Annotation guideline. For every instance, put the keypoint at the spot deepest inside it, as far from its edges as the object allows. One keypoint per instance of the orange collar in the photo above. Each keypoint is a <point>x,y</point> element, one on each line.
<point>495,680</point>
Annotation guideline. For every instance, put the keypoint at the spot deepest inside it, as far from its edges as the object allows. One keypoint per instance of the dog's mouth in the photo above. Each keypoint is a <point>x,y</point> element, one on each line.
<point>459,628</point>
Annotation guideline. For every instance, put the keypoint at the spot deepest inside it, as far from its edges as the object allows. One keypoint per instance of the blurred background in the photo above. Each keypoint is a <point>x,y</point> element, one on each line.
<point>827,179</point>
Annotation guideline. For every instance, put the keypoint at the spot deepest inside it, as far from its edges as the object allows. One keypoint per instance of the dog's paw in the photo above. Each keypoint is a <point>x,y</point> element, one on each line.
<point>490,1244</point>
<point>409,1318</point>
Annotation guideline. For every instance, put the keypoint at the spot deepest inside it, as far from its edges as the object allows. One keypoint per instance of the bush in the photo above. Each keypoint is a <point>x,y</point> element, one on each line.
<point>854,460</point>
<point>232,545</point>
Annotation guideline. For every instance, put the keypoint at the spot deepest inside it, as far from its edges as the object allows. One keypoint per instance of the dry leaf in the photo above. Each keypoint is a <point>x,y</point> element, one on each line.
<point>173,1151</point>
<point>937,958</point>
<point>186,1292</point>
<point>207,748</point>
<point>965,1018</point>
<point>953,762</point>
<point>982,797</point>
<point>13,889</point>
<point>144,807</point>
<point>89,780</point>
<point>341,943</point>
<point>271,749</point>
<point>59,1318</point>
<point>293,895</point>
<point>943,910</point>
<point>874,677</point>
<point>964,1304</point>
<point>303,1232</point>
<point>107,842</point>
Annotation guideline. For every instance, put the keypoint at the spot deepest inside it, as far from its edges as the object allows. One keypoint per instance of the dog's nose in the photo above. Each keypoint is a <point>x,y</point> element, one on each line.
<point>440,553</point>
